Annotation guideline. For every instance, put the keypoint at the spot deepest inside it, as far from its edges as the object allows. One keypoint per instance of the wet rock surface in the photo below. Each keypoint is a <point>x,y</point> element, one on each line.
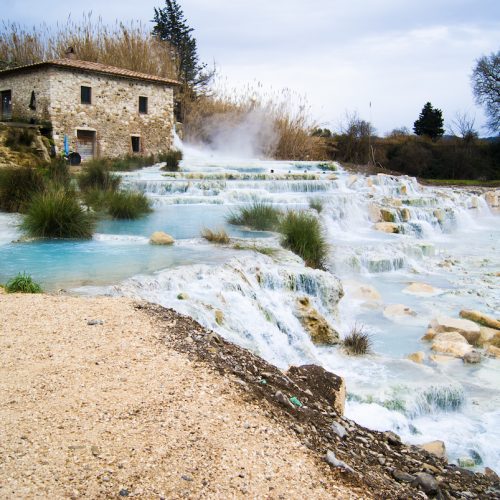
<point>380,463</point>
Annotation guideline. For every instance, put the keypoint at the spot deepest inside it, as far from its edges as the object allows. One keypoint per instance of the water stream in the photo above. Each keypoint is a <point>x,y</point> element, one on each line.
<point>448,238</point>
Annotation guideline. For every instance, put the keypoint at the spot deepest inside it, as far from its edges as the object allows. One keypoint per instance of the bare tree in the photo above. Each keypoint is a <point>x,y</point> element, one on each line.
<point>463,126</point>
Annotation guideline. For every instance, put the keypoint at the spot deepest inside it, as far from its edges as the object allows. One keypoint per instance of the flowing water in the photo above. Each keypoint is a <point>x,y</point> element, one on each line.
<point>448,238</point>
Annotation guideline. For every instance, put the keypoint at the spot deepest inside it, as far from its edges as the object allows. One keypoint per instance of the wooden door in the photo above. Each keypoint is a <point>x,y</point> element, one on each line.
<point>85,143</point>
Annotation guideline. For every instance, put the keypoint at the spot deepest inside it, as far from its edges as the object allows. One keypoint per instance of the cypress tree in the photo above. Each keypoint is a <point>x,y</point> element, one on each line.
<point>430,122</point>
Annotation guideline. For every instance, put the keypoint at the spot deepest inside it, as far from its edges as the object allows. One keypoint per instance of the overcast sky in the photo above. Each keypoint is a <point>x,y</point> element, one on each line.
<point>340,54</point>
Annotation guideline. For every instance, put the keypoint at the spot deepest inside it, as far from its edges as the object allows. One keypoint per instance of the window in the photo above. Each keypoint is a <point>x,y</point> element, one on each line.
<point>6,105</point>
<point>86,95</point>
<point>32,105</point>
<point>143,104</point>
<point>136,144</point>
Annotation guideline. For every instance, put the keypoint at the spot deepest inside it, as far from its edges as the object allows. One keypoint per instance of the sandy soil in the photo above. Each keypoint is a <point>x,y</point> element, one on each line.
<point>111,410</point>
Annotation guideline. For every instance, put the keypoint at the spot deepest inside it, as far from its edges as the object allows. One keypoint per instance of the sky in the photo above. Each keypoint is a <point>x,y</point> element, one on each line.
<point>337,55</point>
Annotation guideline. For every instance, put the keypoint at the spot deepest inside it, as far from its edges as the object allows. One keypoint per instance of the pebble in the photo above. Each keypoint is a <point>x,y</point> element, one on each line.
<point>187,478</point>
<point>92,322</point>
<point>281,398</point>
<point>124,493</point>
<point>426,482</point>
<point>402,476</point>
<point>338,429</point>
<point>335,462</point>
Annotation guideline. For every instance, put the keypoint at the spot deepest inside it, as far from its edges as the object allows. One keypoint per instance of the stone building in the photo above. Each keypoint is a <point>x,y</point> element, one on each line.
<point>100,110</point>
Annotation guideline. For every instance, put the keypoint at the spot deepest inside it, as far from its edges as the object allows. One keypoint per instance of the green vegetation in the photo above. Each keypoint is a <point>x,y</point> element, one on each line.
<point>316,204</point>
<point>127,205</point>
<point>17,187</point>
<point>96,175</point>
<point>430,122</point>
<point>461,182</point>
<point>57,214</point>
<point>172,159</point>
<point>22,283</point>
<point>302,234</point>
<point>57,172</point>
<point>357,342</point>
<point>269,251</point>
<point>259,216</point>
<point>19,139</point>
<point>220,237</point>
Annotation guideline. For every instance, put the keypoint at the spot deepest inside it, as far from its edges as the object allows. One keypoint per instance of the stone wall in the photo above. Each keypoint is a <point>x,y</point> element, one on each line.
<point>113,113</point>
<point>22,85</point>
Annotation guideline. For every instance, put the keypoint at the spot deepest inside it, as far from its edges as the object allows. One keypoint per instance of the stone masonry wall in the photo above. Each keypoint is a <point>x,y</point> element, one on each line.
<point>113,113</point>
<point>21,85</point>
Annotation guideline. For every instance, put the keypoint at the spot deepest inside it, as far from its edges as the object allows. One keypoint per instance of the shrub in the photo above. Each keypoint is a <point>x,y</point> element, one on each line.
<point>316,204</point>
<point>17,187</point>
<point>57,172</point>
<point>259,216</point>
<point>172,159</point>
<point>126,205</point>
<point>57,214</point>
<point>220,237</point>
<point>19,139</point>
<point>128,163</point>
<point>97,199</point>
<point>357,342</point>
<point>22,283</point>
<point>302,234</point>
<point>96,175</point>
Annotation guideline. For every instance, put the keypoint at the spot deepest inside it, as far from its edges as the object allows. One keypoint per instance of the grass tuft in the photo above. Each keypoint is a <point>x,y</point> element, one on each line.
<point>96,175</point>
<point>358,342</point>
<point>19,139</point>
<point>302,234</point>
<point>22,283</point>
<point>57,214</point>
<point>220,237</point>
<point>18,186</point>
<point>127,205</point>
<point>259,216</point>
<point>316,204</point>
<point>172,159</point>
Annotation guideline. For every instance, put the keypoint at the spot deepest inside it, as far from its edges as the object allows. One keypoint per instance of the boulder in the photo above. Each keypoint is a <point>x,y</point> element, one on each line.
<point>398,311</point>
<point>421,289</point>
<point>488,336</point>
<point>387,227</point>
<point>387,215</point>
<point>468,329</point>
<point>493,351</point>
<point>472,358</point>
<point>452,343</point>
<point>417,357</point>
<point>321,383</point>
<point>374,213</point>
<point>426,482</point>
<point>480,318</point>
<point>405,214</point>
<point>492,198</point>
<point>161,238</point>
<point>437,448</point>
<point>315,324</point>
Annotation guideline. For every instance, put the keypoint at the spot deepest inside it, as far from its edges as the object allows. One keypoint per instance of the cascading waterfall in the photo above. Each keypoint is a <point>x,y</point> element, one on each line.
<point>385,232</point>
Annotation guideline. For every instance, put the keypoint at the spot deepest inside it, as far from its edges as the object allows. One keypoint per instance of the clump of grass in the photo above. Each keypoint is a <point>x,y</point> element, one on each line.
<point>128,163</point>
<point>19,139</point>
<point>18,186</point>
<point>302,234</point>
<point>96,199</point>
<point>259,216</point>
<point>263,250</point>
<point>57,214</point>
<point>220,237</point>
<point>358,342</point>
<point>57,172</point>
<point>127,205</point>
<point>22,283</point>
<point>172,159</point>
<point>96,175</point>
<point>316,204</point>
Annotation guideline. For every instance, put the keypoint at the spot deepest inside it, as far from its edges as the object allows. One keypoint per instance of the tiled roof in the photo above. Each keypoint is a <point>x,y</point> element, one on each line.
<point>94,67</point>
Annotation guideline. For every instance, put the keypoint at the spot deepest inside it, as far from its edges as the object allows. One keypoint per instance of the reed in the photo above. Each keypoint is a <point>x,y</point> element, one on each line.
<point>358,342</point>
<point>127,205</point>
<point>96,175</point>
<point>259,216</point>
<point>220,237</point>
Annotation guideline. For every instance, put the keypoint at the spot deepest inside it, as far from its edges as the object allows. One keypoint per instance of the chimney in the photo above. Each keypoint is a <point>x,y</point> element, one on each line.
<point>70,53</point>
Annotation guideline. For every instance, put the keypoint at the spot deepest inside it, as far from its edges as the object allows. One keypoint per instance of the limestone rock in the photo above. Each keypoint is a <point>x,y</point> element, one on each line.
<point>398,311</point>
<point>366,293</point>
<point>417,357</point>
<point>374,213</point>
<point>315,324</point>
<point>219,317</point>
<point>488,336</point>
<point>472,358</point>
<point>321,383</point>
<point>436,448</point>
<point>387,215</point>
<point>480,318</point>
<point>183,296</point>
<point>429,334</point>
<point>468,329</point>
<point>405,214</point>
<point>439,214</point>
<point>387,227</point>
<point>161,238</point>
<point>451,343</point>
<point>439,358</point>
<point>492,198</point>
<point>352,180</point>
<point>493,351</point>
<point>421,289</point>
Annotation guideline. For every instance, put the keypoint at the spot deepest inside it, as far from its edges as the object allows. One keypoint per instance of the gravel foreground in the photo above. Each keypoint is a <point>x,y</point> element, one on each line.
<point>108,398</point>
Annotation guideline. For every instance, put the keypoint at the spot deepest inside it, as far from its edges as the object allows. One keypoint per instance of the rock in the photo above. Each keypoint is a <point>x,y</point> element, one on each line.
<point>451,343</point>
<point>281,398</point>
<point>321,383</point>
<point>493,351</point>
<point>480,318</point>
<point>405,214</point>
<point>392,438</point>
<point>417,357</point>
<point>426,482</point>
<point>183,296</point>
<point>315,324</point>
<point>219,317</point>
<point>438,358</point>
<point>365,293</point>
<point>398,311</point>
<point>488,336</point>
<point>492,198</point>
<point>335,462</point>
<point>161,238</point>
<point>387,227</point>
<point>387,215</point>
<point>340,430</point>
<point>421,289</point>
<point>468,329</point>
<point>374,213</point>
<point>351,180</point>
<point>430,334</point>
<point>466,462</point>
<point>93,322</point>
<point>472,358</point>
<point>491,474</point>
<point>124,492</point>
<point>437,448</point>
<point>402,477</point>
<point>439,214</point>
